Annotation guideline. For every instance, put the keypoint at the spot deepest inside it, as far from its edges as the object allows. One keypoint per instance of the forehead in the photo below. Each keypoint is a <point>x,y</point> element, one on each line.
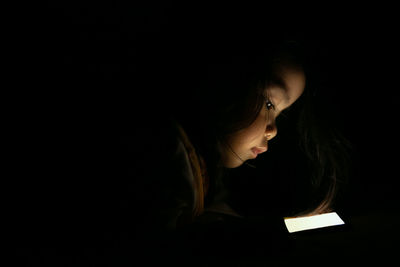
<point>287,85</point>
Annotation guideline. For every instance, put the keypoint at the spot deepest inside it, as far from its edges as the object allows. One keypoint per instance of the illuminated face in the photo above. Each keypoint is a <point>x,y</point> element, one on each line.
<point>247,143</point>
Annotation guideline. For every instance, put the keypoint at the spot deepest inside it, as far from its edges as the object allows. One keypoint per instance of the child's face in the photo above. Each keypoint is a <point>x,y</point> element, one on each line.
<point>253,140</point>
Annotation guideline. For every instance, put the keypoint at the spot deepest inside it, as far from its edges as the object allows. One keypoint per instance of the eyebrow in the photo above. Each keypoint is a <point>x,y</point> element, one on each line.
<point>280,82</point>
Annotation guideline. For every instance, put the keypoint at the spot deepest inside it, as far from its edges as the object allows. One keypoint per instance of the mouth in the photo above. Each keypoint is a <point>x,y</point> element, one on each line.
<point>258,150</point>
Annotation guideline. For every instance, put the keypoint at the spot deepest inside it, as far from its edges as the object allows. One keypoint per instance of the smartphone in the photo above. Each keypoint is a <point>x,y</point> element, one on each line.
<point>296,224</point>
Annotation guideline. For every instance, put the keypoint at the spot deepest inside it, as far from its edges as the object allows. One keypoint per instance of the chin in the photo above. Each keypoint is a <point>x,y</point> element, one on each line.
<point>233,163</point>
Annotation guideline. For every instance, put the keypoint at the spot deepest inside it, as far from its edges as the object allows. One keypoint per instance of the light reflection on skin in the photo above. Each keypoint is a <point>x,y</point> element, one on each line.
<point>249,142</point>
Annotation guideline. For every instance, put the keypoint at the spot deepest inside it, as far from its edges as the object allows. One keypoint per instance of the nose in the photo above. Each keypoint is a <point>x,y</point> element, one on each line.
<point>271,131</point>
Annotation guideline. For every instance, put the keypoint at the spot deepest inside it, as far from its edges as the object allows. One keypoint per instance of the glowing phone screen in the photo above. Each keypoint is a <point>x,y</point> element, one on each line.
<point>312,222</point>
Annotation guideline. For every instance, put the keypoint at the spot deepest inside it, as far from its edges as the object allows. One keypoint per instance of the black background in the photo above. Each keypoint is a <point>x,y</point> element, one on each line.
<point>100,56</point>
<point>95,57</point>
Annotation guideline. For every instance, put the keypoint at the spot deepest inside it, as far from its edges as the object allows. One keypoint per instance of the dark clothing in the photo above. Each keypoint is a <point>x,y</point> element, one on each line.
<point>132,204</point>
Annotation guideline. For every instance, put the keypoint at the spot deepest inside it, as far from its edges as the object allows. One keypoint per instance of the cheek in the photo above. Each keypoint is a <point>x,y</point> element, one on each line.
<point>258,127</point>
<point>251,134</point>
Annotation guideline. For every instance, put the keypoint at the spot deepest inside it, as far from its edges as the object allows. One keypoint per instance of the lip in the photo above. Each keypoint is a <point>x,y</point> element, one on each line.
<point>258,150</point>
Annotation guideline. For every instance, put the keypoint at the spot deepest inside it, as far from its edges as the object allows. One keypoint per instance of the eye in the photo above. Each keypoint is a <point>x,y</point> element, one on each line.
<point>269,105</point>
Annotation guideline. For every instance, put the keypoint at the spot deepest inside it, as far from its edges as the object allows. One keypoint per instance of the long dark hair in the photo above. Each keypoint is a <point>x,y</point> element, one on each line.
<point>324,144</point>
